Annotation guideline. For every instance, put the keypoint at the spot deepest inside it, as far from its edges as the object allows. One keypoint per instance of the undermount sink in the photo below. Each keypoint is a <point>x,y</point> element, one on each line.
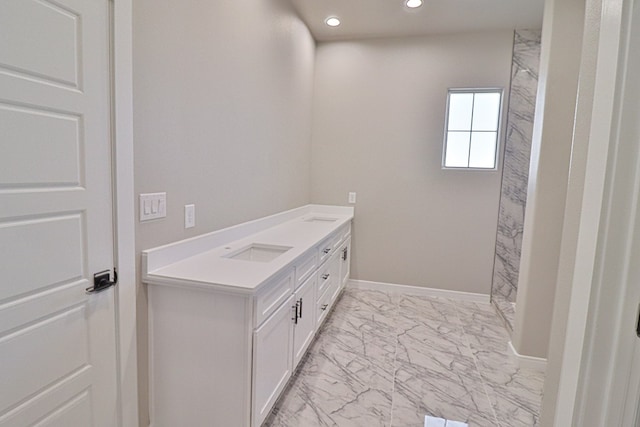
<point>320,219</point>
<point>258,252</point>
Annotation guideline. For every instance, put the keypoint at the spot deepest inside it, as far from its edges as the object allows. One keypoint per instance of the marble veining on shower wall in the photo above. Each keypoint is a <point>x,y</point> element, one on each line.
<point>515,171</point>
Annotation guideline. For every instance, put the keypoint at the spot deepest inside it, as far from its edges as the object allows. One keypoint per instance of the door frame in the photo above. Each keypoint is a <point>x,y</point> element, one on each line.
<point>124,210</point>
<point>593,380</point>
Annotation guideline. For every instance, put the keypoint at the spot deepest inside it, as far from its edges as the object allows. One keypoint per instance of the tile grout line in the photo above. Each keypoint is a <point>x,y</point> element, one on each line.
<point>475,362</point>
<point>395,357</point>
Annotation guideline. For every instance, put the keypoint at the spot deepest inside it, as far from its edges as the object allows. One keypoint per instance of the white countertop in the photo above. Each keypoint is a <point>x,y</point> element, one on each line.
<point>208,266</point>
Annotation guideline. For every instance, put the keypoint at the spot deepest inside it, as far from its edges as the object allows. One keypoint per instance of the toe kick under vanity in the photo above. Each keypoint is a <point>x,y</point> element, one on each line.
<point>232,313</point>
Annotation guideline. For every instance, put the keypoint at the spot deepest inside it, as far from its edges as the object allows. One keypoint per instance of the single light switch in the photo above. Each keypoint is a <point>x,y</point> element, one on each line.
<point>162,207</point>
<point>189,216</point>
<point>153,206</point>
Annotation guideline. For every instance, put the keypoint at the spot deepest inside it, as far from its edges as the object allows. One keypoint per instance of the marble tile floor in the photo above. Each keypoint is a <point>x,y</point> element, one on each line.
<point>386,359</point>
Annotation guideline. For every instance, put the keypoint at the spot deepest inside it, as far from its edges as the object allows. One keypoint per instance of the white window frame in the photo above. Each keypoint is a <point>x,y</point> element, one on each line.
<point>498,131</point>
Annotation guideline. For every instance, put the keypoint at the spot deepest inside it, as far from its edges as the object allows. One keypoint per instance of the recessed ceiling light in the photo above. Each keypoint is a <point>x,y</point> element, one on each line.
<point>413,3</point>
<point>333,21</point>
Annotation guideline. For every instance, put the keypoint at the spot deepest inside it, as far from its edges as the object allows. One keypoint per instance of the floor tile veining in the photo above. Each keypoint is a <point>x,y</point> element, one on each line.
<point>385,359</point>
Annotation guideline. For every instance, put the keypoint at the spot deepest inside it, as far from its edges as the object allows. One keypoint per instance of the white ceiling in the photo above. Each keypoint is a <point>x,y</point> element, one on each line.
<point>391,18</point>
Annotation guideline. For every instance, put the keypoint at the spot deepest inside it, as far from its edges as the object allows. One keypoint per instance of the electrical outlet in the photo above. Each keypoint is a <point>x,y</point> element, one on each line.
<point>153,206</point>
<point>352,197</point>
<point>189,216</point>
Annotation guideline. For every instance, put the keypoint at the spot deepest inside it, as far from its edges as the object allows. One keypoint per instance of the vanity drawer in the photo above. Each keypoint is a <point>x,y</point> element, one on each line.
<point>271,296</point>
<point>324,278</point>
<point>325,249</point>
<point>306,266</point>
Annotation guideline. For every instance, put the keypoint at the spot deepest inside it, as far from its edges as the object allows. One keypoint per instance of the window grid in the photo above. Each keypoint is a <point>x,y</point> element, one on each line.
<point>471,130</point>
<point>473,105</point>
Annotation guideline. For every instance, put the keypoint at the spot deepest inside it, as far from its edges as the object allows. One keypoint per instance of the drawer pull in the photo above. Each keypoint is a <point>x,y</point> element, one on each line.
<point>325,276</point>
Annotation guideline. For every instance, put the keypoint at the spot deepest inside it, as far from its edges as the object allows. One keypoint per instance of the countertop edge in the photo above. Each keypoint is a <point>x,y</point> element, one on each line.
<point>152,279</point>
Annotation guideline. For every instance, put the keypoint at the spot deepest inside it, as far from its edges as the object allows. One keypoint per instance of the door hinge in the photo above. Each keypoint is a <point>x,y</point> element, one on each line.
<point>101,281</point>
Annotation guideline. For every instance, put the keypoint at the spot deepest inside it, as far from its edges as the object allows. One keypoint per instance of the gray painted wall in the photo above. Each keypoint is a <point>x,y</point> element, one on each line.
<point>379,110</point>
<point>515,171</point>
<point>222,110</point>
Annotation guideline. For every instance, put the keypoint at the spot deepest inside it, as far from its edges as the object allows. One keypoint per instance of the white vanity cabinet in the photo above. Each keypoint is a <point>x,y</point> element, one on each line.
<point>223,349</point>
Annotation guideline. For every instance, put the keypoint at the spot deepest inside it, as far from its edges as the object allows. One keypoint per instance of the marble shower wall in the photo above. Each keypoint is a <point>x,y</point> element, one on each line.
<point>515,171</point>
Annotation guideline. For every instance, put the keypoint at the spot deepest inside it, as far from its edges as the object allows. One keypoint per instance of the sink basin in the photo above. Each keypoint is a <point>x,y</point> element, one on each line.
<point>258,252</point>
<point>320,219</point>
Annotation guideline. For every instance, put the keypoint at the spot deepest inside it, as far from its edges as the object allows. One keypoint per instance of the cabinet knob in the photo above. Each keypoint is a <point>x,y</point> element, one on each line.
<point>324,307</point>
<point>327,250</point>
<point>325,276</point>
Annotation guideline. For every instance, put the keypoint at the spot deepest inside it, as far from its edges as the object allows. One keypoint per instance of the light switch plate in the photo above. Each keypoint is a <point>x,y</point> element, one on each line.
<point>153,206</point>
<point>352,197</point>
<point>189,216</point>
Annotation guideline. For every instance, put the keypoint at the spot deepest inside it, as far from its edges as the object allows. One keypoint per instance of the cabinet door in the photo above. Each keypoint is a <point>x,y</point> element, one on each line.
<point>336,284</point>
<point>305,326</point>
<point>322,306</point>
<point>345,262</point>
<point>272,360</point>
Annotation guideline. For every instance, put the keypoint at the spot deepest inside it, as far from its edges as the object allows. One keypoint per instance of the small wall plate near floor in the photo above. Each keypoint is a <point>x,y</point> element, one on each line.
<point>441,422</point>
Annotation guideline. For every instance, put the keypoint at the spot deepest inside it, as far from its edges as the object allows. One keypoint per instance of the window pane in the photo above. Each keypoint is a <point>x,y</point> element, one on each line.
<point>486,109</point>
<point>483,150</point>
<point>460,106</point>
<point>457,155</point>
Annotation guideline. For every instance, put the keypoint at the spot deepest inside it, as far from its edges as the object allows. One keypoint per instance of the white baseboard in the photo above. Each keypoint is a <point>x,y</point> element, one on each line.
<point>417,290</point>
<point>529,362</point>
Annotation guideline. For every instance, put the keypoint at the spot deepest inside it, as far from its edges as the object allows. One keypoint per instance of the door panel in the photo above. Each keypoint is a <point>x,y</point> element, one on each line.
<point>305,327</point>
<point>336,282</point>
<point>37,164</point>
<point>65,335</point>
<point>24,21</point>
<point>40,239</point>
<point>272,360</point>
<point>57,343</point>
<point>345,262</point>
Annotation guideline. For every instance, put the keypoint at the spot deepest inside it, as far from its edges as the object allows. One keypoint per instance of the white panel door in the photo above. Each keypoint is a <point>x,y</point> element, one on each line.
<point>57,343</point>
<point>630,133</point>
